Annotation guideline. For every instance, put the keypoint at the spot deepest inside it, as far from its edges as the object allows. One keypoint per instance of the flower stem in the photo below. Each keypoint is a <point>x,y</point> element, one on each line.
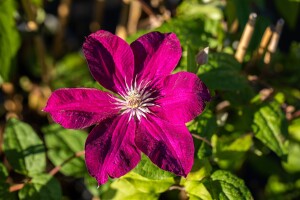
<point>201,138</point>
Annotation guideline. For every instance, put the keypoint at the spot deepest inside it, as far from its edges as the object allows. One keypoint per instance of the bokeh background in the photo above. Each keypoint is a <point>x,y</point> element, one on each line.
<point>250,129</point>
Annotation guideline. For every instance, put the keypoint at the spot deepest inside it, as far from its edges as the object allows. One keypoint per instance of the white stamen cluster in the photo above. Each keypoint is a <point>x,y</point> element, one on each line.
<point>136,100</point>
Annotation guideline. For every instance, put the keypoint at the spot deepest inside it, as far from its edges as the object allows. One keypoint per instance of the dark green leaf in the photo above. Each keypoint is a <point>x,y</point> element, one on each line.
<point>191,60</point>
<point>9,38</point>
<point>23,148</point>
<point>148,170</point>
<point>270,127</point>
<point>42,186</point>
<point>63,144</point>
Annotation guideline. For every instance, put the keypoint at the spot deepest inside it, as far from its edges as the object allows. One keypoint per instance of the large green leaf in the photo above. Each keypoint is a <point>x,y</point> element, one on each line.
<point>9,38</point>
<point>227,186</point>
<point>42,186</point>
<point>64,143</point>
<point>23,148</point>
<point>148,170</point>
<point>270,127</point>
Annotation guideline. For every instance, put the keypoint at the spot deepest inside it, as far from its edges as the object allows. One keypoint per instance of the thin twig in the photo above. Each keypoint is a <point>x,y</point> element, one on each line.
<point>201,138</point>
<point>19,186</point>
<point>176,187</point>
<point>57,168</point>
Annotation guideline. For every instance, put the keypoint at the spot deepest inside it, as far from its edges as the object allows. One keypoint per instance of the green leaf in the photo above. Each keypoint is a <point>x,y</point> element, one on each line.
<point>230,153</point>
<point>227,186</point>
<point>289,10</point>
<point>64,143</point>
<point>200,170</point>
<point>23,148</point>
<point>4,191</point>
<point>205,126</point>
<point>197,190</point>
<point>293,162</point>
<point>126,191</point>
<point>222,73</point>
<point>134,186</point>
<point>191,60</point>
<point>42,186</point>
<point>75,64</point>
<point>270,127</point>
<point>9,38</point>
<point>147,169</point>
<point>294,129</point>
<point>3,172</point>
<point>148,185</point>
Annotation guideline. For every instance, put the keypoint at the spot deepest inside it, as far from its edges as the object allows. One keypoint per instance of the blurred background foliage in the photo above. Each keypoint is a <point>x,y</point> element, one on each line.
<point>247,141</point>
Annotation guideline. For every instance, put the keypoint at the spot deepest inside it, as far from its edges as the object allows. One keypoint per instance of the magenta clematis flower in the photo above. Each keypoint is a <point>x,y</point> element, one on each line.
<point>146,111</point>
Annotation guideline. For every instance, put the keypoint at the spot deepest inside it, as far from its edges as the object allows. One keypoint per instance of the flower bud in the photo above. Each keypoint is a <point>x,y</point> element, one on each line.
<point>202,56</point>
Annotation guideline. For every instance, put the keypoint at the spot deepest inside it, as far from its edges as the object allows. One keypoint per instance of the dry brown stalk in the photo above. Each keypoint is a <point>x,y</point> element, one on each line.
<point>121,29</point>
<point>274,41</point>
<point>134,16</point>
<point>246,37</point>
<point>98,15</point>
<point>264,42</point>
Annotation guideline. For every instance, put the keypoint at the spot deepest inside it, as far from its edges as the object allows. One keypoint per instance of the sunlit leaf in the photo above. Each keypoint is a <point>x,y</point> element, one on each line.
<point>63,144</point>
<point>148,185</point>
<point>230,153</point>
<point>147,169</point>
<point>42,186</point>
<point>23,148</point>
<point>270,127</point>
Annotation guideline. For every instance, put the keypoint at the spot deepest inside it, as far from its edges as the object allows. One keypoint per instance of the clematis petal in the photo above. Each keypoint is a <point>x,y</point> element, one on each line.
<point>169,146</point>
<point>110,149</point>
<point>155,55</point>
<point>182,93</point>
<point>110,60</point>
<point>80,107</point>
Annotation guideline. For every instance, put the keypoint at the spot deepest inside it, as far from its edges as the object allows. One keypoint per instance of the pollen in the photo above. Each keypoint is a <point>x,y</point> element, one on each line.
<point>136,100</point>
<point>133,101</point>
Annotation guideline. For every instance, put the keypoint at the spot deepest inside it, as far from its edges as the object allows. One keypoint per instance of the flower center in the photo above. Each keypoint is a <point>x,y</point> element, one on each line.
<point>136,100</point>
<point>133,101</point>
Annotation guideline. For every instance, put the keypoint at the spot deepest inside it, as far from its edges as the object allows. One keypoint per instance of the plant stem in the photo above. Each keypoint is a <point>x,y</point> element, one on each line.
<point>19,186</point>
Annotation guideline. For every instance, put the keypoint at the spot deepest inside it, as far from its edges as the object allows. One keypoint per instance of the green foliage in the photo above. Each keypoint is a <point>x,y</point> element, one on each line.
<point>269,126</point>
<point>24,149</point>
<point>42,186</point>
<point>254,136</point>
<point>63,144</point>
<point>9,39</point>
